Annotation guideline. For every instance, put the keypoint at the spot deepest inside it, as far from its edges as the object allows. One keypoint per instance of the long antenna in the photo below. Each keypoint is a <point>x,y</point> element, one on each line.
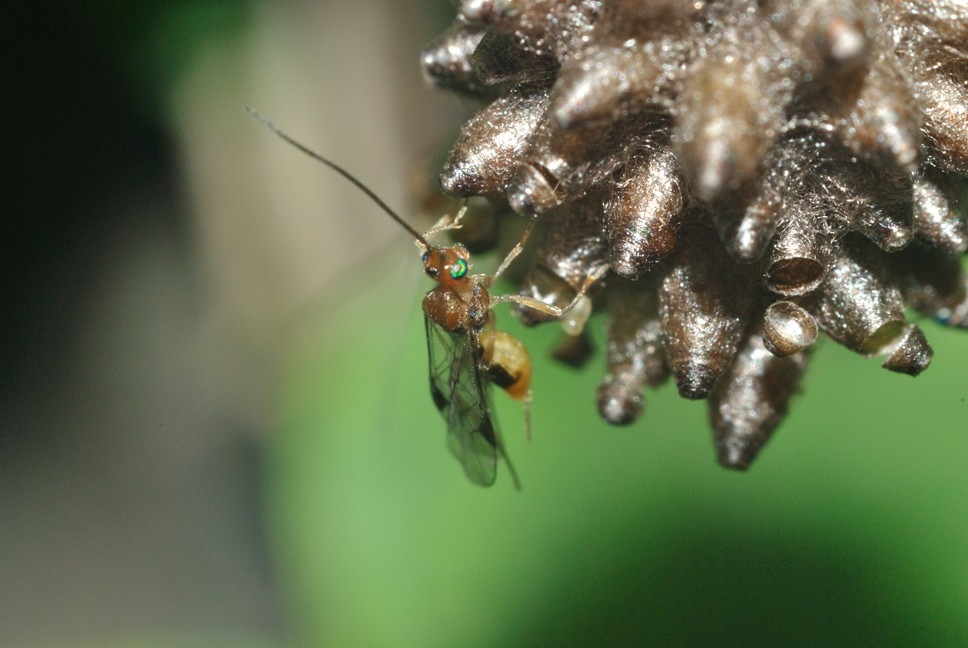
<point>265,121</point>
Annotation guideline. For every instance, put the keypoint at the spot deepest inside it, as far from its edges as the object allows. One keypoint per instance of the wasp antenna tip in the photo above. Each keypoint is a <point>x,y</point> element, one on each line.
<point>265,121</point>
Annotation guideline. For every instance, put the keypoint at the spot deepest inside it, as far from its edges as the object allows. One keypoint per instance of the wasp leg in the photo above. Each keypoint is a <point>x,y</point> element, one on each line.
<point>446,223</point>
<point>548,309</point>
<point>526,401</point>
<point>516,250</point>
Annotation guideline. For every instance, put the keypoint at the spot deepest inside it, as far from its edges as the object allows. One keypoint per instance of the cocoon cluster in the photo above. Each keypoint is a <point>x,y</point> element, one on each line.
<point>752,173</point>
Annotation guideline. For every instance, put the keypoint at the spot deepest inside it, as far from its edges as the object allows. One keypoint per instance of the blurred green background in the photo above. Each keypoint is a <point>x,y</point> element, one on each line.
<point>216,421</point>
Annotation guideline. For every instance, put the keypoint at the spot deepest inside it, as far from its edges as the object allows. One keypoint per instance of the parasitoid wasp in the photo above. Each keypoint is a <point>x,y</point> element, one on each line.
<point>466,352</point>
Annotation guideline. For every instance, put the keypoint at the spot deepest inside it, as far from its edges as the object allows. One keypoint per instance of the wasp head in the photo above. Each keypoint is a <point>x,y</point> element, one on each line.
<point>448,266</point>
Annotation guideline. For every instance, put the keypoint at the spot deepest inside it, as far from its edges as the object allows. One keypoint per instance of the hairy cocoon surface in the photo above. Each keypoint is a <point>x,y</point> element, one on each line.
<point>752,172</point>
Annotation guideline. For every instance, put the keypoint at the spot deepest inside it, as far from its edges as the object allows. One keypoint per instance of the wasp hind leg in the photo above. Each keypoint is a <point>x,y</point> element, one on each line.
<point>526,402</point>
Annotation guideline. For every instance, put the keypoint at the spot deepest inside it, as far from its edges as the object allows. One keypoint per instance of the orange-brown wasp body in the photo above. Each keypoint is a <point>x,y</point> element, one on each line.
<point>465,351</point>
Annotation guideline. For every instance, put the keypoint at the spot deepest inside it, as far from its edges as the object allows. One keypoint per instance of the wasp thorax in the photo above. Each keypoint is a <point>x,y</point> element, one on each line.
<point>764,169</point>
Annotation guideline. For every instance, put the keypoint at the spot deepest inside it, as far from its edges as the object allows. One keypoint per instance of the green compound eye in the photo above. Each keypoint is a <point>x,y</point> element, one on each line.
<point>459,269</point>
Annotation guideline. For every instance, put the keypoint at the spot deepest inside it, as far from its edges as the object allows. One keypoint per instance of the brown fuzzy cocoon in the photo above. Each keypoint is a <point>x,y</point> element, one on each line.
<point>729,152</point>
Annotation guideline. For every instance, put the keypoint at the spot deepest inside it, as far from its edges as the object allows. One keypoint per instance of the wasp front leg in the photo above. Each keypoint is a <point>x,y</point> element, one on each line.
<point>447,223</point>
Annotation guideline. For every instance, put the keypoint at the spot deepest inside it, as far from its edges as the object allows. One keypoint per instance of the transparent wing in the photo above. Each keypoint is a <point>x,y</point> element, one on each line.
<point>459,391</point>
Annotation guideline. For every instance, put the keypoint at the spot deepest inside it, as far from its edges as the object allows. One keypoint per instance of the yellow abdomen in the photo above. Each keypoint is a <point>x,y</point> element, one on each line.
<point>507,362</point>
